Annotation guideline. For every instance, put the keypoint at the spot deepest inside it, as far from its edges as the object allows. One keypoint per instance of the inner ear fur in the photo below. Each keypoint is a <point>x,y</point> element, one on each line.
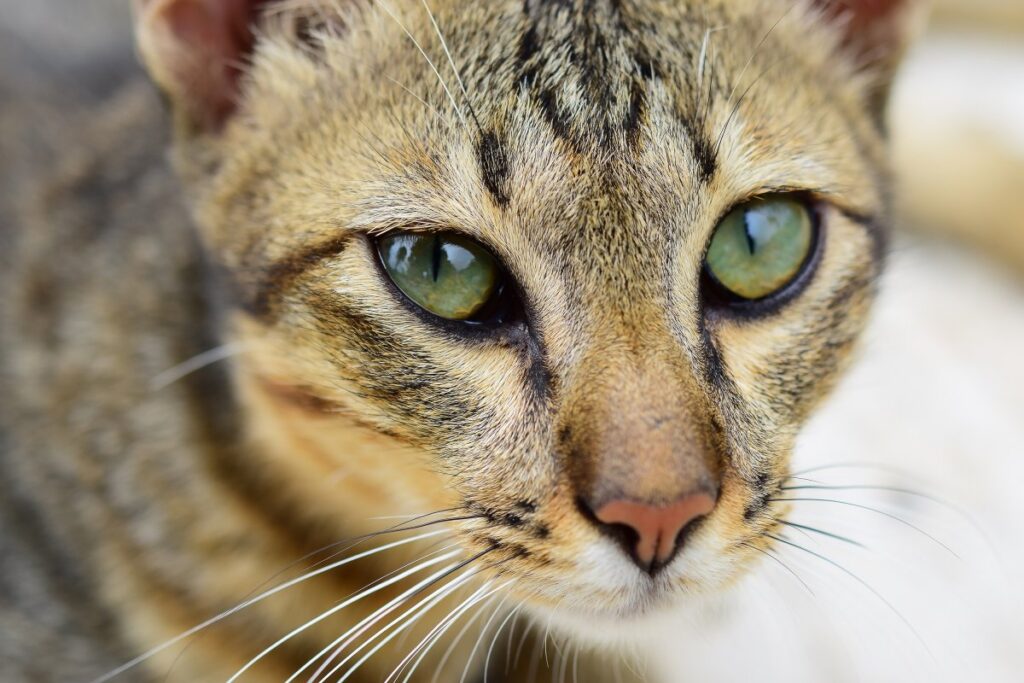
<point>195,51</point>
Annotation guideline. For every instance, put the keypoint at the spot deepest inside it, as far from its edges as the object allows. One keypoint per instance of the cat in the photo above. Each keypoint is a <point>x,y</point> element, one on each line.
<point>556,283</point>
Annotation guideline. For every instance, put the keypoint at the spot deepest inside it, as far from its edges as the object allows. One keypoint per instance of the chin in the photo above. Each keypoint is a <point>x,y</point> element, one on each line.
<point>611,603</point>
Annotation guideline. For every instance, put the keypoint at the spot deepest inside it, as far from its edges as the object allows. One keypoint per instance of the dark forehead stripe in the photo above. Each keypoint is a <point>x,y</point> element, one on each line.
<point>601,50</point>
<point>703,151</point>
<point>585,47</point>
<point>493,159</point>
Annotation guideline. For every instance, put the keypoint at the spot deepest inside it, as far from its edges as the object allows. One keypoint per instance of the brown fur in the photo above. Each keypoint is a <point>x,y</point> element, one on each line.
<point>598,156</point>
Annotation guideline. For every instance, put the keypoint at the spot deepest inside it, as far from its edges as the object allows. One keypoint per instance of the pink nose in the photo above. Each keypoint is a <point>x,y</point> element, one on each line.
<point>657,528</point>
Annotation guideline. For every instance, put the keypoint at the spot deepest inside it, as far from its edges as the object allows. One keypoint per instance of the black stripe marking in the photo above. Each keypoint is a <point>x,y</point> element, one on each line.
<point>276,278</point>
<point>494,167</point>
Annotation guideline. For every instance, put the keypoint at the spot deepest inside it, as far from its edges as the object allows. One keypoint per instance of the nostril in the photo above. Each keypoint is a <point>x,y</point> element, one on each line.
<point>652,534</point>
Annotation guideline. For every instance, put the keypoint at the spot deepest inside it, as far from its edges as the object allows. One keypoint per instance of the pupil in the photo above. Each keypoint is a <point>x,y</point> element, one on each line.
<point>436,257</point>
<point>751,244</point>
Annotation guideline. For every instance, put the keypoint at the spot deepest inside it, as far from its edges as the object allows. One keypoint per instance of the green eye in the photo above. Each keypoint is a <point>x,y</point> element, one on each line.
<point>450,276</point>
<point>761,246</point>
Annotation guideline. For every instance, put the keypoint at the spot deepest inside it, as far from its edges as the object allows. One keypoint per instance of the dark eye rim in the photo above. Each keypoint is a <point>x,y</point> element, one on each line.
<point>503,308</point>
<point>717,298</point>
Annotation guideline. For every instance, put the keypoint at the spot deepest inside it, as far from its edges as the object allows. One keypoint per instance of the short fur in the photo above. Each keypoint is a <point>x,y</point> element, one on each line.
<point>594,149</point>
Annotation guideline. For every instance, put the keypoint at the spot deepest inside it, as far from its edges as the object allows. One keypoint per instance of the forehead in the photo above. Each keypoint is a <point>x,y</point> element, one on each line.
<point>611,100</point>
<point>597,131</point>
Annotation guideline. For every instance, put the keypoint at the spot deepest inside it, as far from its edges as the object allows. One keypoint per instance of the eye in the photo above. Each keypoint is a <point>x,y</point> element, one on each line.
<point>761,247</point>
<point>450,276</point>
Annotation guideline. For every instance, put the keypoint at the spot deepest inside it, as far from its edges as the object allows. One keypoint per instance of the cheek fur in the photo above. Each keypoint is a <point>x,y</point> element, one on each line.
<point>783,366</point>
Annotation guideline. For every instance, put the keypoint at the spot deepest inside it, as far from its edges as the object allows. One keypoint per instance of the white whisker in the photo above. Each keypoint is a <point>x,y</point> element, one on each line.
<point>348,637</point>
<point>480,639</point>
<point>433,68</point>
<point>522,641</point>
<point>448,54</point>
<point>419,609</point>
<point>441,663</point>
<point>407,619</point>
<point>422,101</point>
<point>562,664</point>
<point>337,608</point>
<point>195,364</point>
<point>428,642</point>
<point>501,627</point>
<point>703,56</point>
<point>390,637</point>
<point>252,601</point>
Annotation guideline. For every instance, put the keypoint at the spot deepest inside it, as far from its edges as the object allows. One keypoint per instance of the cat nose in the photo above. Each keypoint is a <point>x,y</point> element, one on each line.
<point>653,534</point>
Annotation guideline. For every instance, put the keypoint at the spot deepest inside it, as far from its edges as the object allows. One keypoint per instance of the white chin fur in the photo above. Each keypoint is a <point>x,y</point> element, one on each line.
<point>643,605</point>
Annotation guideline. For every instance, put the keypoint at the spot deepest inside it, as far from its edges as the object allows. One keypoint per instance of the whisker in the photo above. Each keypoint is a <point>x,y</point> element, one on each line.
<point>885,488</point>
<point>539,648</point>
<point>822,532</point>
<point>522,640</point>
<point>501,627</point>
<point>252,601</point>
<point>781,564</point>
<point>480,638</point>
<point>807,479</point>
<point>864,487</point>
<point>376,615</point>
<point>635,670</point>
<point>407,618</point>
<point>547,632</point>
<point>420,609</point>
<point>870,509</point>
<point>862,582</point>
<point>510,640</point>
<point>337,608</point>
<point>739,101</point>
<point>388,639</point>
<point>855,464</point>
<point>195,364</point>
<point>884,467</point>
<point>398,528</point>
<point>704,104</point>
<point>435,634</point>
<point>753,54</point>
<point>430,63</point>
<point>561,663</point>
<point>451,646</point>
<point>451,62</point>
<point>422,101</point>
<point>742,72</point>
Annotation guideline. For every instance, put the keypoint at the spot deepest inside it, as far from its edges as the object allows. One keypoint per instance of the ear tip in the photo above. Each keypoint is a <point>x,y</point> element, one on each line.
<point>191,49</point>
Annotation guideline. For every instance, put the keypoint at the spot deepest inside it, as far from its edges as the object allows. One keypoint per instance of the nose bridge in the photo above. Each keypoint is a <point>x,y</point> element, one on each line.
<point>635,426</point>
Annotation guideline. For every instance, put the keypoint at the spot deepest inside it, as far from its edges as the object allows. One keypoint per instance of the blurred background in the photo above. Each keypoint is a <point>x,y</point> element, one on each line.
<point>933,413</point>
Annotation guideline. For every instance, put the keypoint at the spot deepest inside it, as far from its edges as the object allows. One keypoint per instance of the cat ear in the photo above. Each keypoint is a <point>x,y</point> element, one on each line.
<point>195,50</point>
<point>876,33</point>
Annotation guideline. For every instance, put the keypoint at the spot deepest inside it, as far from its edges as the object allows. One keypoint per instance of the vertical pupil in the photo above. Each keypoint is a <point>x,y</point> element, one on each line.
<point>436,256</point>
<point>751,244</point>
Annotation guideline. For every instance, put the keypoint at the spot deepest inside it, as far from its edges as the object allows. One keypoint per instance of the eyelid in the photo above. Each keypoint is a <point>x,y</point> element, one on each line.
<point>811,194</point>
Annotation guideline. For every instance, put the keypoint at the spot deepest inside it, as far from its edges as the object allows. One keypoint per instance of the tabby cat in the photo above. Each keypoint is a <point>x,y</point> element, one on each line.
<point>489,344</point>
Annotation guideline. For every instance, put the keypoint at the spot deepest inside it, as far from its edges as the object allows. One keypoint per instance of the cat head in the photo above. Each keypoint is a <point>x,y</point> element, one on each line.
<point>579,269</point>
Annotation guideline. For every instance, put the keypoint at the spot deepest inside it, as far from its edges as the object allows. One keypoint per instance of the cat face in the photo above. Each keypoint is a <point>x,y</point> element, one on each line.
<point>618,420</point>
